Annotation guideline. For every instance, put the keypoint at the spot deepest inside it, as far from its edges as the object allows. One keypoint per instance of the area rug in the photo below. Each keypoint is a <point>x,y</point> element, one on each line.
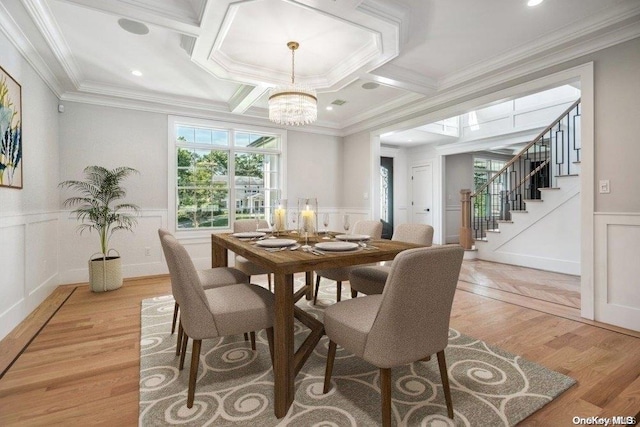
<point>489,386</point>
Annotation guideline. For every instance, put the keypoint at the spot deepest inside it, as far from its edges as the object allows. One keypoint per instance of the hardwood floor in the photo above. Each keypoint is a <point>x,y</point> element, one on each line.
<point>83,366</point>
<point>562,289</point>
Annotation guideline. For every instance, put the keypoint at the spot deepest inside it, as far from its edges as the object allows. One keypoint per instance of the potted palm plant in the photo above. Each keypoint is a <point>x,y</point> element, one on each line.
<point>98,207</point>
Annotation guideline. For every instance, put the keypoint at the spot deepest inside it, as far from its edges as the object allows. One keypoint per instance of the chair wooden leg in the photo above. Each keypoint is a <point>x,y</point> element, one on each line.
<point>246,336</point>
<point>442,363</point>
<point>269,281</point>
<point>175,317</point>
<point>179,342</point>
<point>354,293</point>
<point>252,334</point>
<point>270,341</point>
<point>193,373</point>
<point>385,391</point>
<point>339,293</point>
<point>183,351</point>
<point>315,294</point>
<point>331,356</point>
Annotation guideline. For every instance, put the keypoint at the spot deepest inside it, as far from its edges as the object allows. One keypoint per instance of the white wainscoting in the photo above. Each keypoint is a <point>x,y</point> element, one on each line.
<point>617,270</point>
<point>140,250</point>
<point>453,214</point>
<point>28,265</point>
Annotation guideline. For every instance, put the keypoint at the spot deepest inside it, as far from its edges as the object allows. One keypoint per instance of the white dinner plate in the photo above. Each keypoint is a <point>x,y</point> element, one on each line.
<point>353,237</point>
<point>336,246</point>
<point>249,234</point>
<point>265,230</point>
<point>275,243</point>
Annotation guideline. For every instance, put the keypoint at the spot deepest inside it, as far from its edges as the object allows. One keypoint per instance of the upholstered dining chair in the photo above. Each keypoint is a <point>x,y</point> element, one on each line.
<point>371,279</point>
<point>241,263</point>
<point>209,278</point>
<point>368,227</point>
<point>214,312</point>
<point>403,325</point>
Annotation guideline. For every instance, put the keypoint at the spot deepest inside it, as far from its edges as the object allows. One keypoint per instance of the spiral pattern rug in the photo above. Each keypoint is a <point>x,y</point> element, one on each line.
<point>489,386</point>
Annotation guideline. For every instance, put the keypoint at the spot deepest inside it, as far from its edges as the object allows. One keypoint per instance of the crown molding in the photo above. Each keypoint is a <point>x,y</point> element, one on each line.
<point>18,38</point>
<point>43,19</point>
<point>381,109</point>
<point>253,116</point>
<point>599,41</point>
<point>548,45</point>
<point>96,88</point>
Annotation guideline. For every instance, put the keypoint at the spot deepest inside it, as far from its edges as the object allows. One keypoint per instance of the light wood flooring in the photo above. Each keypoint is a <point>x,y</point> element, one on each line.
<point>82,368</point>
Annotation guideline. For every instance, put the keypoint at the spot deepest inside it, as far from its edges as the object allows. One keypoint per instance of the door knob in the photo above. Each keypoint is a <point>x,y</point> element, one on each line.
<point>427,210</point>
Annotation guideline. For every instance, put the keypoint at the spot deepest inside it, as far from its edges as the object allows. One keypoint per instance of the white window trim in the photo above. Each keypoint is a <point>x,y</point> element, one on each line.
<point>231,127</point>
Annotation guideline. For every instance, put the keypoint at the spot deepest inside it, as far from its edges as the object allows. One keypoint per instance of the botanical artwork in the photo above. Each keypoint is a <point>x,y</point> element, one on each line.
<point>10,131</point>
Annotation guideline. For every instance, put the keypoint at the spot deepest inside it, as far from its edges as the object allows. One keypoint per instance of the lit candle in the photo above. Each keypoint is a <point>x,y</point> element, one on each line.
<point>307,220</point>
<point>280,215</point>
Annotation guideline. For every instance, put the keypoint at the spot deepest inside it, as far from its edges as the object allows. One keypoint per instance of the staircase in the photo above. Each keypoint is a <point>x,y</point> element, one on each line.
<point>528,213</point>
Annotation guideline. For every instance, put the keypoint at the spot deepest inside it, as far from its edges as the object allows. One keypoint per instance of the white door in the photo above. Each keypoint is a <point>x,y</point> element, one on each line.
<point>422,194</point>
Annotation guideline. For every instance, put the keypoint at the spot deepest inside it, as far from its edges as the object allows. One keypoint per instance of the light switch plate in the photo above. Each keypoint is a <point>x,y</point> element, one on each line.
<point>604,186</point>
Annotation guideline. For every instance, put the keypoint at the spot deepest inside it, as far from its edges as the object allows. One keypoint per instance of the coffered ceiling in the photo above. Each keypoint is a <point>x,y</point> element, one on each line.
<point>222,56</point>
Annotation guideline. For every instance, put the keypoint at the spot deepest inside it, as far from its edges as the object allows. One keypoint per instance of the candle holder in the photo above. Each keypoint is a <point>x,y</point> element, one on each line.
<point>279,216</point>
<point>307,218</point>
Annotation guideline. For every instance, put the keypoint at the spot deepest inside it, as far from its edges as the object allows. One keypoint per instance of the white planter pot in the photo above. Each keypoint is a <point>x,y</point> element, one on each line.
<point>105,273</point>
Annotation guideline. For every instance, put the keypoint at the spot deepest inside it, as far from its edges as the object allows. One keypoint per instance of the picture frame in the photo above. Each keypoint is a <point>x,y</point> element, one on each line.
<point>11,161</point>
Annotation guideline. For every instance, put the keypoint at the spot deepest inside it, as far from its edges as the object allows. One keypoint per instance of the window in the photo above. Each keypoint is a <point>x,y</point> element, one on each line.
<point>223,172</point>
<point>488,202</point>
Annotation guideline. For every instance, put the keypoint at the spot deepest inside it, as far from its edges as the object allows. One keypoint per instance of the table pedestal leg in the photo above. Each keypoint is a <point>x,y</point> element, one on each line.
<point>283,359</point>
<point>219,256</point>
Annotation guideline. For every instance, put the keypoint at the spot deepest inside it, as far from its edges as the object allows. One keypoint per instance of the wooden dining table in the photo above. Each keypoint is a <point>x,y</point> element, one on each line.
<point>288,361</point>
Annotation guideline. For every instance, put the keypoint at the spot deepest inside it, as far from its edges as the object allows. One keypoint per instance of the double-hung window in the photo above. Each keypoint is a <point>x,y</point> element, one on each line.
<point>222,172</point>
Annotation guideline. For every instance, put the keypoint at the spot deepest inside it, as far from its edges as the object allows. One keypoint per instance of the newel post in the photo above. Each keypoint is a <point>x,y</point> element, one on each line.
<point>465,229</point>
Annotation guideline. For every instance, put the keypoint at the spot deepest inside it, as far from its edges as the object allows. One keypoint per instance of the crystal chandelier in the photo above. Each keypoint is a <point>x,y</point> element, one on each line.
<point>293,105</point>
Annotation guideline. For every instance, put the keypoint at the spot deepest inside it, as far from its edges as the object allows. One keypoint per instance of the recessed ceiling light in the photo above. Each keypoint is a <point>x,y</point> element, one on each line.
<point>411,140</point>
<point>329,108</point>
<point>532,3</point>
<point>370,85</point>
<point>137,73</point>
<point>134,27</point>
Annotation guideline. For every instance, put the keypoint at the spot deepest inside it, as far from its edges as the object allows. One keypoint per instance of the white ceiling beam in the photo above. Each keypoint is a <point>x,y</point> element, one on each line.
<point>402,78</point>
<point>245,97</point>
<point>43,18</point>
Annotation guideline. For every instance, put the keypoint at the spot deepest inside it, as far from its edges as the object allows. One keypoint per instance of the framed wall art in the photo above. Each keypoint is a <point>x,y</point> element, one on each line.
<point>10,131</point>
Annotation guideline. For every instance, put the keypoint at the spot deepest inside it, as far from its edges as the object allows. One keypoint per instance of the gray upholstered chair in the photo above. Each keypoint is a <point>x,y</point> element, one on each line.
<point>215,312</point>
<point>241,263</point>
<point>368,227</point>
<point>370,280</point>
<point>210,278</point>
<point>403,325</point>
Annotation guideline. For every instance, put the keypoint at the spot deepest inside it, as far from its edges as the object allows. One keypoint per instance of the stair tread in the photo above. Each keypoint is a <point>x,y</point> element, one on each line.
<point>518,211</point>
<point>567,175</point>
<point>533,200</point>
<point>505,221</point>
<point>495,230</point>
<point>548,188</point>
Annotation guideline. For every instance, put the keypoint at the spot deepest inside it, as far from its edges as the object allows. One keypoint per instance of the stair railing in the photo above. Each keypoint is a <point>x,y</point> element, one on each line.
<point>553,153</point>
